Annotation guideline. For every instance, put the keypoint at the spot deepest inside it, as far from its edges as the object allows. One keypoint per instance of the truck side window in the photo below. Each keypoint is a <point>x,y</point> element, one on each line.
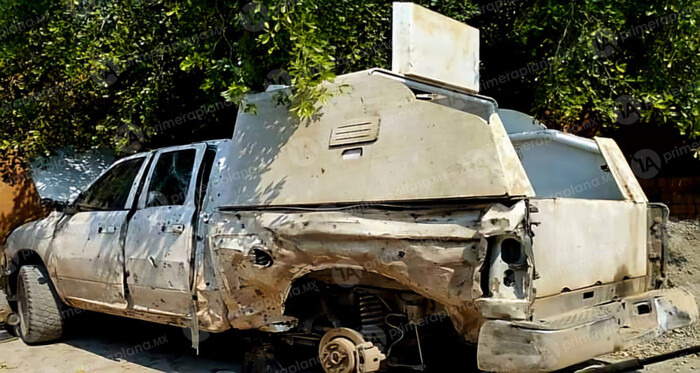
<point>204,175</point>
<point>171,178</point>
<point>111,190</point>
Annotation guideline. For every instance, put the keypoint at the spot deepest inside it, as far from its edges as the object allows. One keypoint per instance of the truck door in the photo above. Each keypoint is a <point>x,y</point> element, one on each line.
<point>160,238</point>
<point>87,251</point>
<point>581,242</point>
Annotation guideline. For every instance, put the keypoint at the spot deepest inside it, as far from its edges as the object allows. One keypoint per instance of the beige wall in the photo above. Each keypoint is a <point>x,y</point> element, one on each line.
<point>19,199</point>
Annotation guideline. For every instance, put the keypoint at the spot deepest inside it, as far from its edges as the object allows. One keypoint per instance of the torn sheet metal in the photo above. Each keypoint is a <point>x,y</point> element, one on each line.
<point>566,339</point>
<point>421,251</point>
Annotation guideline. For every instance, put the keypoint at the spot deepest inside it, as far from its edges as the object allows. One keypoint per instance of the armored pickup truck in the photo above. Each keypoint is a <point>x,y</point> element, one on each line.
<point>401,207</point>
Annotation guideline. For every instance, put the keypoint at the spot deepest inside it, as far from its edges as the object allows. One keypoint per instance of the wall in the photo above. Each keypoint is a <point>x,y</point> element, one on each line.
<point>19,199</point>
<point>681,194</point>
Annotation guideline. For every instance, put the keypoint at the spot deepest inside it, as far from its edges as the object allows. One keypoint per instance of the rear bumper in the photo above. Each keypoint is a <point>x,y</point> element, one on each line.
<point>548,345</point>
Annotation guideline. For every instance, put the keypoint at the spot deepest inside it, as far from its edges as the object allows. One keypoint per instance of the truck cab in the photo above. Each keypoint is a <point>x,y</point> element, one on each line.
<point>127,244</point>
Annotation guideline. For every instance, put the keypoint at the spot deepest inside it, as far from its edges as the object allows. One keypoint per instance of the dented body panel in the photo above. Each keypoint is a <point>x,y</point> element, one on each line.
<point>399,193</point>
<point>435,253</point>
<point>159,244</point>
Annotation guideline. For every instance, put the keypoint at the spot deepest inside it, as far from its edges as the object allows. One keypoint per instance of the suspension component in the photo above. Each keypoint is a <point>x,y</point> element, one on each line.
<point>372,319</point>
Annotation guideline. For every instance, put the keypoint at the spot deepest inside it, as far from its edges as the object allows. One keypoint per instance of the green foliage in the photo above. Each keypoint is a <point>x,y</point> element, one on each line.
<point>87,72</point>
<point>598,51</point>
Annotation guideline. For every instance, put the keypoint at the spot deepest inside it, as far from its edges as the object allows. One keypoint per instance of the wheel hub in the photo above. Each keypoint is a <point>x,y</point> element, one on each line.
<point>338,356</point>
<point>344,350</point>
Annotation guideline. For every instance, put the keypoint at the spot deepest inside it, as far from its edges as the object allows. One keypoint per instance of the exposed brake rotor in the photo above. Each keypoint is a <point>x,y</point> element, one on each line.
<point>344,350</point>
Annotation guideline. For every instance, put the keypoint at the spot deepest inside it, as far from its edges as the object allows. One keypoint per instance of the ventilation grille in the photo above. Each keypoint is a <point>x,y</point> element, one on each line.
<point>354,133</point>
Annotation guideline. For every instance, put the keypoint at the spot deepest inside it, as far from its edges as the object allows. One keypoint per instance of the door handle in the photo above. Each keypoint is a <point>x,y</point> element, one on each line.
<point>174,228</point>
<point>107,230</point>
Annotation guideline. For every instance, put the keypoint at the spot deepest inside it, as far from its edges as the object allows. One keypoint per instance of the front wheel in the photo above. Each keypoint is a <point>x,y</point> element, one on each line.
<point>38,306</point>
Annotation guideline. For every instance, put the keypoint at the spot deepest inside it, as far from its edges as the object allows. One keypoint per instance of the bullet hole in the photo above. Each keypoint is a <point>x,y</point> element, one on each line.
<point>262,258</point>
<point>509,278</point>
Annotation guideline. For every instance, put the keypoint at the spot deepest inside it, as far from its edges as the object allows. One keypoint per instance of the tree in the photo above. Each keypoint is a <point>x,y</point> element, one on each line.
<point>130,74</point>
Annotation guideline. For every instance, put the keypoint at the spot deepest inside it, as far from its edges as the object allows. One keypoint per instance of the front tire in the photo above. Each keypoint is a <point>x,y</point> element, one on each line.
<point>38,306</point>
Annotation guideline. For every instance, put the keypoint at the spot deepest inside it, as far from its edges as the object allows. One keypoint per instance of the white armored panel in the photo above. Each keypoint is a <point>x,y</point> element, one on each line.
<point>374,142</point>
<point>431,46</point>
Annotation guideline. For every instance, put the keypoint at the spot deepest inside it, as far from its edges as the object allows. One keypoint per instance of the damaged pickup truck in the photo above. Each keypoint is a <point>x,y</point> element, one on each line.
<point>401,205</point>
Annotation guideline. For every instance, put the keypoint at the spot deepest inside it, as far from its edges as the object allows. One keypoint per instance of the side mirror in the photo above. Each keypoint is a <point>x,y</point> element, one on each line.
<point>71,209</point>
<point>53,205</point>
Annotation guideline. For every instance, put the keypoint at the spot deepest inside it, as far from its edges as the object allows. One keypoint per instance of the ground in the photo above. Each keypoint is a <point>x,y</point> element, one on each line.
<point>110,344</point>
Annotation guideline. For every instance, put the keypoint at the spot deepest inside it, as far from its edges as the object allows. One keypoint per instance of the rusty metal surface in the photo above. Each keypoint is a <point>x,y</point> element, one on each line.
<point>436,253</point>
<point>19,198</point>
<point>396,184</point>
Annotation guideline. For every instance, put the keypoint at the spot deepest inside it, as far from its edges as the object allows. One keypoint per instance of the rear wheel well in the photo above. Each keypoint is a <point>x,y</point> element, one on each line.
<point>22,258</point>
<point>311,289</point>
<point>403,325</point>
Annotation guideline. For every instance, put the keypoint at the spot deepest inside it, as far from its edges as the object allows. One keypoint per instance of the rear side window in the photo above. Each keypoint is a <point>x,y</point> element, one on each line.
<point>111,190</point>
<point>171,178</point>
<point>205,175</point>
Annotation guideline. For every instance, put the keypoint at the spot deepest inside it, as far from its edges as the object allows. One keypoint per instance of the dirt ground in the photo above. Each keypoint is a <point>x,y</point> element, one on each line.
<point>109,344</point>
